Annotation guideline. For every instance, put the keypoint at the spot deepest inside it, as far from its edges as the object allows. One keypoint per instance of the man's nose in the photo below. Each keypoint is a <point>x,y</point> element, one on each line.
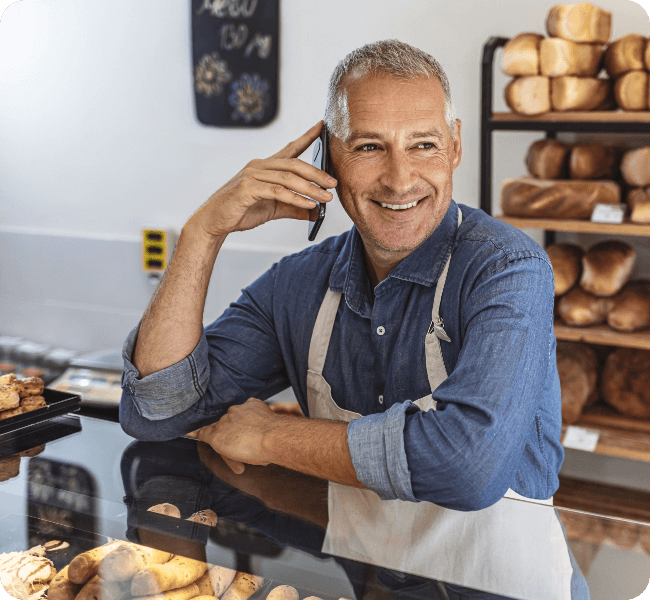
<point>398,174</point>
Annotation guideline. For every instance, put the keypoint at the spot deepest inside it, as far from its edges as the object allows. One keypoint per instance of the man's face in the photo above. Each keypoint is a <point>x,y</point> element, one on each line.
<point>399,152</point>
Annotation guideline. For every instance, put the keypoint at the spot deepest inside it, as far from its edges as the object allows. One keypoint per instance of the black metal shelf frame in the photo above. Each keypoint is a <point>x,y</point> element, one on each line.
<point>489,125</point>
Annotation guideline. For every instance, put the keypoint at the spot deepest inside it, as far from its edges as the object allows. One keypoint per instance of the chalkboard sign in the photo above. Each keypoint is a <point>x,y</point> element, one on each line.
<point>235,61</point>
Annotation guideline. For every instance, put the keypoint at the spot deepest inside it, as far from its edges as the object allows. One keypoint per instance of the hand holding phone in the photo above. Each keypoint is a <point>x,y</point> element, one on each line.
<point>320,160</point>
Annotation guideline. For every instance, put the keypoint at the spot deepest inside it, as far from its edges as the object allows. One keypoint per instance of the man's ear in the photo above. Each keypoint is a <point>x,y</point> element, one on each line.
<point>458,147</point>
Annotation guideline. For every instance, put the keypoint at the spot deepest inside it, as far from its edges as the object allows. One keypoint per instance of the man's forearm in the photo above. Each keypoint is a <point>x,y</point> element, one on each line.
<point>173,322</point>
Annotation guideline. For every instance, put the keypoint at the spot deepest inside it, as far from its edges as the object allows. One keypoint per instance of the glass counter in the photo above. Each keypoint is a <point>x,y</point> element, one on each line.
<point>84,482</point>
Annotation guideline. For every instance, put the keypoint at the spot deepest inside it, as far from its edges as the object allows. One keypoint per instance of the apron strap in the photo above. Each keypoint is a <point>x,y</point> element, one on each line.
<point>320,338</point>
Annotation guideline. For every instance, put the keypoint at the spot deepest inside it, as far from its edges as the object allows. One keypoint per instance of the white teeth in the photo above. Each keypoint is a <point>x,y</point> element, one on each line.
<point>399,206</point>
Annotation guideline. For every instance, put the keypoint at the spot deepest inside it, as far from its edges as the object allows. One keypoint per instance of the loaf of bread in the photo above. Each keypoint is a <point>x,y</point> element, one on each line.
<point>558,57</point>
<point>635,167</point>
<point>521,55</point>
<point>625,54</point>
<point>638,199</point>
<point>537,198</point>
<point>631,90</point>
<point>577,366</point>
<point>593,161</point>
<point>581,93</point>
<point>607,267</point>
<point>583,527</point>
<point>626,382</point>
<point>629,310</point>
<point>624,534</point>
<point>566,260</point>
<point>582,22</point>
<point>581,309</point>
<point>529,95</point>
<point>547,159</point>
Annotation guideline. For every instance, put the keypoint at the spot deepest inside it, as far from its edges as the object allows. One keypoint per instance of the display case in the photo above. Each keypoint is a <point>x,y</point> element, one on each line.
<point>84,482</point>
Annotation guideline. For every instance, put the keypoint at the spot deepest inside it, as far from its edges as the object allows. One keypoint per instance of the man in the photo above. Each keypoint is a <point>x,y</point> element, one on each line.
<point>496,418</point>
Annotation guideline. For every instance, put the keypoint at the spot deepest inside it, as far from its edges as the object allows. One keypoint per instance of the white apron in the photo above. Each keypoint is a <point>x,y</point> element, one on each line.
<point>514,548</point>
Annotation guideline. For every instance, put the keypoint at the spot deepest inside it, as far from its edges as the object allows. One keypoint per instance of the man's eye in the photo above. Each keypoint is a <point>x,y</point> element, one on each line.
<point>367,147</point>
<point>425,146</point>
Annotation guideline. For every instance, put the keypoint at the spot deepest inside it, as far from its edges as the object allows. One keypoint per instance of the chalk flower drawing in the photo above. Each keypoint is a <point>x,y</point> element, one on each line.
<point>210,75</point>
<point>249,97</point>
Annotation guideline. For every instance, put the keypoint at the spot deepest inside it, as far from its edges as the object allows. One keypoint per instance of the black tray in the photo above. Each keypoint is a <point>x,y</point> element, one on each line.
<point>57,403</point>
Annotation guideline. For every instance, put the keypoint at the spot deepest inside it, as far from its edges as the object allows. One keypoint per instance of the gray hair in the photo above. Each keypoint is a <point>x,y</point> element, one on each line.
<point>391,57</point>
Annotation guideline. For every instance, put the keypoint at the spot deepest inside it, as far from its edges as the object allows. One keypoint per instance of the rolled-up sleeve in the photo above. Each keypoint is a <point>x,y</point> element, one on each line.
<point>170,391</point>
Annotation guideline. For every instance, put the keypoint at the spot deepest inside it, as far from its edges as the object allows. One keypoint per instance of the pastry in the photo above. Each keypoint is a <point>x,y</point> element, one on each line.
<point>31,386</point>
<point>626,382</point>
<point>607,267</point>
<point>9,396</point>
<point>32,403</point>
<point>35,572</point>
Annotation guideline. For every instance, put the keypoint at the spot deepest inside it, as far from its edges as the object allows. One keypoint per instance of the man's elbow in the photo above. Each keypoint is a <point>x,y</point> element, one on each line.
<point>141,428</point>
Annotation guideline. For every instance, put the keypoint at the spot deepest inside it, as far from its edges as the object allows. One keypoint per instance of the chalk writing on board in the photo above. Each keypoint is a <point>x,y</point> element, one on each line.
<point>210,75</point>
<point>229,8</point>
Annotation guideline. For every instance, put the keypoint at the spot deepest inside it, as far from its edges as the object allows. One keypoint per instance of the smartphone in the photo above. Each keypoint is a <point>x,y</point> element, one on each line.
<point>320,161</point>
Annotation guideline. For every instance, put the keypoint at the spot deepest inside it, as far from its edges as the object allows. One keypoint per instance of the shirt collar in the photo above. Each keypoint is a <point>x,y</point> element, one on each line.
<point>422,266</point>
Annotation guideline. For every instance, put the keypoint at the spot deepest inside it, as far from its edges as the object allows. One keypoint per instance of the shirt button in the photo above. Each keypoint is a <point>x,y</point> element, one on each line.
<point>381,330</point>
<point>381,399</point>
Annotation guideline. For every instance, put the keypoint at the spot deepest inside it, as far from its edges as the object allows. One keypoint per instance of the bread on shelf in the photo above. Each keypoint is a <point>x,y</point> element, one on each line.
<point>521,55</point>
<point>635,167</point>
<point>561,199</point>
<point>638,199</point>
<point>625,54</point>
<point>577,366</point>
<point>631,90</point>
<point>629,310</point>
<point>529,95</point>
<point>547,159</point>
<point>581,309</point>
<point>566,260</point>
<point>581,93</point>
<point>607,267</point>
<point>626,382</point>
<point>582,22</point>
<point>558,57</point>
<point>593,161</point>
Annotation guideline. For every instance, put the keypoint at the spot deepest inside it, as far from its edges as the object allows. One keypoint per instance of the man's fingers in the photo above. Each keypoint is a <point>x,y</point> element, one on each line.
<point>293,182</point>
<point>234,465</point>
<point>297,147</point>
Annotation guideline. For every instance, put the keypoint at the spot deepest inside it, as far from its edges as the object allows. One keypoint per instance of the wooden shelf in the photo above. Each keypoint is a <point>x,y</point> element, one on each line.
<point>603,336</point>
<point>605,116</point>
<point>577,226</point>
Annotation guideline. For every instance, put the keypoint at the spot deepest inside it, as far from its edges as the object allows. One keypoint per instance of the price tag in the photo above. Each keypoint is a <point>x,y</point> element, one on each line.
<point>608,213</point>
<point>579,438</point>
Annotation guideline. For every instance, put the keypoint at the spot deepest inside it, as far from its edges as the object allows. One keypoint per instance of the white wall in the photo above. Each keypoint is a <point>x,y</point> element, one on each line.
<point>96,105</point>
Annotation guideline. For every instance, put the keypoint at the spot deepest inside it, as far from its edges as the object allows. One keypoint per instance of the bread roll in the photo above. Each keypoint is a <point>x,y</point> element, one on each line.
<point>631,91</point>
<point>581,309</point>
<point>635,167</point>
<point>206,517</point>
<point>166,509</point>
<point>579,23</point>
<point>577,366</point>
<point>521,55</point>
<point>529,95</point>
<point>626,382</point>
<point>547,159</point>
<point>566,260</point>
<point>537,198</point>
<point>638,200</point>
<point>607,267</point>
<point>581,93</point>
<point>629,310</point>
<point>593,161</point>
<point>558,57</point>
<point>178,572</point>
<point>625,54</point>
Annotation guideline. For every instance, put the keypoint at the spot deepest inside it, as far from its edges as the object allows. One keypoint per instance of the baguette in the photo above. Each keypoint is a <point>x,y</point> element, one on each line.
<point>128,559</point>
<point>579,23</point>
<point>593,161</point>
<point>581,93</point>
<point>529,95</point>
<point>156,578</point>
<point>283,592</point>
<point>184,593</point>
<point>61,587</point>
<point>625,54</point>
<point>547,159</point>
<point>635,167</point>
<point>558,57</point>
<point>521,55</point>
<point>243,586</point>
<point>638,200</point>
<point>84,566</point>
<point>98,589</point>
<point>631,91</point>
<point>216,580</point>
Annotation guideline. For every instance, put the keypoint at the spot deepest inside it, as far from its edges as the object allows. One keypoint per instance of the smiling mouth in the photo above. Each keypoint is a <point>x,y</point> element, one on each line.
<point>398,206</point>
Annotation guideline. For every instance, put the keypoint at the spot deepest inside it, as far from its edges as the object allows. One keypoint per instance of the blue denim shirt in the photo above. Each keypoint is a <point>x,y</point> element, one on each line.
<point>498,418</point>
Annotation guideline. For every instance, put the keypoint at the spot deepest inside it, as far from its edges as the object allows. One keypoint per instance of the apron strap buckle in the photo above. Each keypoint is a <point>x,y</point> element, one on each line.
<point>438,327</point>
